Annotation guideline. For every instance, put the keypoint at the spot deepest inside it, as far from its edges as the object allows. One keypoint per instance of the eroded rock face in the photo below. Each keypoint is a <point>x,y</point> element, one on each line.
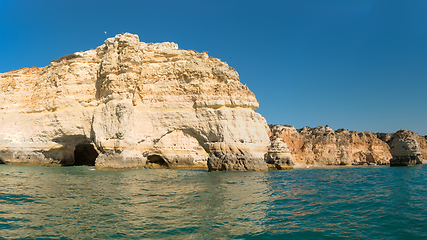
<point>134,103</point>
<point>405,147</point>
<point>324,146</point>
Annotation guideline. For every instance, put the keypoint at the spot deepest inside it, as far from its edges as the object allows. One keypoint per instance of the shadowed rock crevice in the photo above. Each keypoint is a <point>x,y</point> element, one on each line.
<point>85,154</point>
<point>156,161</point>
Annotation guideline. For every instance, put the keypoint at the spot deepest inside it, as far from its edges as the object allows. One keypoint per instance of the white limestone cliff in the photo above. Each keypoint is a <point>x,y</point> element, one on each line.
<point>130,104</point>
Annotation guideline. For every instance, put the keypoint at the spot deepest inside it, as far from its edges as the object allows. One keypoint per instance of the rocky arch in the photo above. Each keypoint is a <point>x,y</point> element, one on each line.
<point>180,149</point>
<point>202,140</point>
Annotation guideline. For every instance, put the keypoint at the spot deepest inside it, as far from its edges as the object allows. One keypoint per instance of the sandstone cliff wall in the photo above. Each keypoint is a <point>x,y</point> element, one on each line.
<point>130,104</point>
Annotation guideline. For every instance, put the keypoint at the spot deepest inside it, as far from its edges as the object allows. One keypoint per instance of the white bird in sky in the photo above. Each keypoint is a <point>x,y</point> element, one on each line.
<point>105,32</point>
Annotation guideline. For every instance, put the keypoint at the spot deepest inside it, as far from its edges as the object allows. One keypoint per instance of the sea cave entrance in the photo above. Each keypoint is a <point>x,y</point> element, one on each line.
<point>156,161</point>
<point>85,154</point>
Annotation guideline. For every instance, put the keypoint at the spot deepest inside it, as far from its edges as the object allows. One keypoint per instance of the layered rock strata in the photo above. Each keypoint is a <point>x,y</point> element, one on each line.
<point>323,146</point>
<point>130,104</point>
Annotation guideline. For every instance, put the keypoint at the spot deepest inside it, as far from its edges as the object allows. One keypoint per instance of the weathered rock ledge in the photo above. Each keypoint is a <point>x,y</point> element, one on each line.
<point>129,104</point>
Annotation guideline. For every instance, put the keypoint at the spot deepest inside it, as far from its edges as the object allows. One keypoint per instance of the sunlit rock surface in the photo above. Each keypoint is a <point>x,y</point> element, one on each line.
<point>321,146</point>
<point>130,104</point>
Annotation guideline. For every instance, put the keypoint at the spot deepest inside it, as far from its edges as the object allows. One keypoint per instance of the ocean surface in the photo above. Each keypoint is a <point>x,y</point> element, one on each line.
<point>370,202</point>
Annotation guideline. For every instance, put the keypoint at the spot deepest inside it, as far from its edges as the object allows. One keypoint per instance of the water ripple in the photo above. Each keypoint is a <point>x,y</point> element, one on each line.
<point>329,203</point>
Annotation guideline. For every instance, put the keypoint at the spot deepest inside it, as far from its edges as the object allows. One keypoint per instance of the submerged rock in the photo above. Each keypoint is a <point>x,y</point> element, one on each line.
<point>132,104</point>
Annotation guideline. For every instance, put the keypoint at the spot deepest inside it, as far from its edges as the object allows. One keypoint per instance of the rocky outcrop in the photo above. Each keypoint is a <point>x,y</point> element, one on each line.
<point>323,146</point>
<point>130,104</point>
<point>405,147</point>
<point>279,156</point>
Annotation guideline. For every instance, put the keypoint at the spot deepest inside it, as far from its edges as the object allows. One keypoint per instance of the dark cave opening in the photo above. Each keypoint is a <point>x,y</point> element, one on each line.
<point>85,154</point>
<point>156,160</point>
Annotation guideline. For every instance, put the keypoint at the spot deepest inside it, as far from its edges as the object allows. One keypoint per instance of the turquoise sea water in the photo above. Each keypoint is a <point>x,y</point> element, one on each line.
<point>375,202</point>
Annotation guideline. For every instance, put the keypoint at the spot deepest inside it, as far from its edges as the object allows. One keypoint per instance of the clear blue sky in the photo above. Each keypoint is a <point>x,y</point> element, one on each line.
<point>355,64</point>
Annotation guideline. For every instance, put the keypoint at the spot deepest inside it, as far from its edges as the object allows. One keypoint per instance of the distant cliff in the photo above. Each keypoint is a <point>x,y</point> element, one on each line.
<point>130,104</point>
<point>320,146</point>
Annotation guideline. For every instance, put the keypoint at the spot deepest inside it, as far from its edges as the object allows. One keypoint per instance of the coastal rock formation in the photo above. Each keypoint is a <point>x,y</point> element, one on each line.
<point>405,147</point>
<point>279,156</point>
<point>130,104</point>
<point>324,146</point>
